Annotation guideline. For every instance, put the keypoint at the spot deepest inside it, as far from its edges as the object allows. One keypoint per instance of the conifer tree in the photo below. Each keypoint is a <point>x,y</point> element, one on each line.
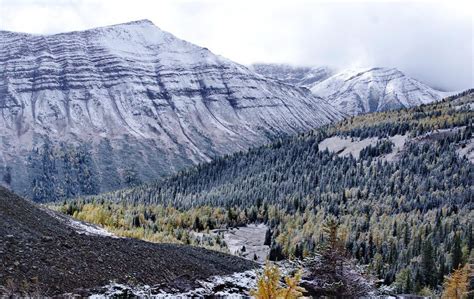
<point>428,266</point>
<point>268,237</point>
<point>457,252</point>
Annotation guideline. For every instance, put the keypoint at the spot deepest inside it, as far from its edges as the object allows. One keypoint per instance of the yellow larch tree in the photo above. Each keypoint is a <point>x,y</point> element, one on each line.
<point>268,285</point>
<point>456,285</point>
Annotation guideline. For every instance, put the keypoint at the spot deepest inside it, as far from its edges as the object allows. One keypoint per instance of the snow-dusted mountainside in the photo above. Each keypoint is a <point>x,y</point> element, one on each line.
<point>359,91</point>
<point>294,75</point>
<point>140,102</point>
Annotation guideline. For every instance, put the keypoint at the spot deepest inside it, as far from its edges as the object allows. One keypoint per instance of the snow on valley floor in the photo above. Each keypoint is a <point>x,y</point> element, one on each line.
<point>344,146</point>
<point>244,241</point>
<point>252,237</point>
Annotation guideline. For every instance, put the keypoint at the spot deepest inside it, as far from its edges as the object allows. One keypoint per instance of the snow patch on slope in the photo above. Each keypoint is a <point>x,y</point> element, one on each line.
<point>88,229</point>
<point>345,146</point>
<point>251,236</point>
<point>79,226</point>
<point>399,142</point>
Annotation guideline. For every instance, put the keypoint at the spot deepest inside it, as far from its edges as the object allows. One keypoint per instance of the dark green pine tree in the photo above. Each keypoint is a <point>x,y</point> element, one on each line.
<point>418,281</point>
<point>43,172</point>
<point>428,266</point>
<point>408,285</point>
<point>110,178</point>
<point>197,224</point>
<point>268,237</point>
<point>442,270</point>
<point>87,174</point>
<point>457,252</point>
<point>470,242</point>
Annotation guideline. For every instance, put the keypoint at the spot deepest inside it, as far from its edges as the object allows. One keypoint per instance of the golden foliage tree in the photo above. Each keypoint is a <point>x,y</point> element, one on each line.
<point>293,290</point>
<point>456,285</point>
<point>268,285</point>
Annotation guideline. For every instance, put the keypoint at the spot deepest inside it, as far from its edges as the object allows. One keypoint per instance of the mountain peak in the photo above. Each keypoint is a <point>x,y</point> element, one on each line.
<point>145,23</point>
<point>363,90</point>
<point>142,21</point>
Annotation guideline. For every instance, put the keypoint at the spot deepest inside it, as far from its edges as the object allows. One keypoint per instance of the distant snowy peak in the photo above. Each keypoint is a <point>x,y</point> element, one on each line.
<point>294,75</point>
<point>357,91</point>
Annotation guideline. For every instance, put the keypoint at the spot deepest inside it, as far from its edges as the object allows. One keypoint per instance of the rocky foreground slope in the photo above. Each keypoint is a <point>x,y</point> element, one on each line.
<point>41,254</point>
<point>141,102</point>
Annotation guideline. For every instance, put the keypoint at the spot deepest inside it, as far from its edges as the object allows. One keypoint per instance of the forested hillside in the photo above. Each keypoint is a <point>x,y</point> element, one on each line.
<point>407,217</point>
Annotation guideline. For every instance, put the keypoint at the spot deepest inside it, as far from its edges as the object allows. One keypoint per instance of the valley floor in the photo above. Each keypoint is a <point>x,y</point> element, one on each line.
<point>248,241</point>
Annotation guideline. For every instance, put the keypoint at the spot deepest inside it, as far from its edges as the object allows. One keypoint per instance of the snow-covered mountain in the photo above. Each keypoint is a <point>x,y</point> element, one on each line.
<point>357,91</point>
<point>140,102</point>
<point>294,75</point>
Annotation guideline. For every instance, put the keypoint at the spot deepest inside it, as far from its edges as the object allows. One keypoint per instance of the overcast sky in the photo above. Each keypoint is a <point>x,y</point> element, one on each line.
<point>429,40</point>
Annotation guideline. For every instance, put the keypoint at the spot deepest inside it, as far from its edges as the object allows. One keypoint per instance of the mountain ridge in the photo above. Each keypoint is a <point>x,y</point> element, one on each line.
<point>356,90</point>
<point>364,90</point>
<point>136,99</point>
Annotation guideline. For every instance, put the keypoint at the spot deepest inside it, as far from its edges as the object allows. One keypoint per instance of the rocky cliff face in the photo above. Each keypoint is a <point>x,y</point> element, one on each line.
<point>108,107</point>
<point>359,91</point>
